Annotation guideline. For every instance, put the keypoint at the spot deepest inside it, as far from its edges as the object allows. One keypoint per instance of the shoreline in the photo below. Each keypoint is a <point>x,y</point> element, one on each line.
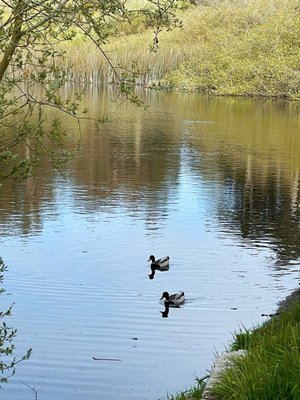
<point>289,301</point>
<point>224,360</point>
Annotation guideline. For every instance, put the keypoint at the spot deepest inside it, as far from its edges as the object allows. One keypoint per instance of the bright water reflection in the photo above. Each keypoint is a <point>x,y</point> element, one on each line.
<point>214,183</point>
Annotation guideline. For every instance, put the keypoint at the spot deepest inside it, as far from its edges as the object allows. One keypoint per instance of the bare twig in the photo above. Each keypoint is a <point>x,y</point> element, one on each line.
<point>106,359</point>
<point>33,389</point>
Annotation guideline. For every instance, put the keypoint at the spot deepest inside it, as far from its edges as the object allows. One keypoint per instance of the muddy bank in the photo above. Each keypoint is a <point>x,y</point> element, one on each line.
<point>289,301</point>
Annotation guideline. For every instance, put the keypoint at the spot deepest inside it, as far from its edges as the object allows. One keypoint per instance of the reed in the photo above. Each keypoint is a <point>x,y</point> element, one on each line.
<point>229,47</point>
<point>125,53</point>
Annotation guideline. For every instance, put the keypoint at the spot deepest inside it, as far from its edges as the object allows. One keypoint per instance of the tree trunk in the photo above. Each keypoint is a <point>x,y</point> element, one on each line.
<point>15,38</point>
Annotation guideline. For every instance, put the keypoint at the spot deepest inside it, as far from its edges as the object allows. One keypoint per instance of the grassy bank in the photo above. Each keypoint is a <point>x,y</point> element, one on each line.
<point>271,368</point>
<point>229,47</point>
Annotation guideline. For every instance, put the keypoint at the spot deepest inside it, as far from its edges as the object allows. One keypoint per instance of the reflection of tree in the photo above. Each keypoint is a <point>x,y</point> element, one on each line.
<point>130,165</point>
<point>249,150</point>
<point>122,168</point>
<point>7,334</point>
<point>22,204</point>
<point>256,176</point>
<point>267,212</point>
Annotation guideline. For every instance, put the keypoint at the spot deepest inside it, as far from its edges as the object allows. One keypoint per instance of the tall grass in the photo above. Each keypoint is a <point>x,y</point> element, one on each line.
<point>271,370</point>
<point>124,52</point>
<point>229,47</point>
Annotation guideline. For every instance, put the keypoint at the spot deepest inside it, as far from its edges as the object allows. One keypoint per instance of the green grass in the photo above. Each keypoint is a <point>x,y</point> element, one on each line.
<point>194,392</point>
<point>271,369</point>
<point>229,47</point>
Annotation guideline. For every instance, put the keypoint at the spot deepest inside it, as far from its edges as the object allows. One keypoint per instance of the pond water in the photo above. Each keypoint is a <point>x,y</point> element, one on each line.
<point>211,182</point>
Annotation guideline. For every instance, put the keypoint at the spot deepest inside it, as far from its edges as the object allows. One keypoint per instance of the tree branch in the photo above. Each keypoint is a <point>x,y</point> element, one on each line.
<point>49,17</point>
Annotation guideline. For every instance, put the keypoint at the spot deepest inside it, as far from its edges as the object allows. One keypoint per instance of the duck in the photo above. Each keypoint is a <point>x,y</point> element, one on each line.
<point>173,300</point>
<point>160,264</point>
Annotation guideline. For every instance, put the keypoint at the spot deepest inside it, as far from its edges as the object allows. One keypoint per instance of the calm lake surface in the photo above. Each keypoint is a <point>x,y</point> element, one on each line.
<point>211,182</point>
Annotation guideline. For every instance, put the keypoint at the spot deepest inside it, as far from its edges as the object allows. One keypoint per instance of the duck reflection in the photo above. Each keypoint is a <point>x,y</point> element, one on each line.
<point>151,276</point>
<point>155,268</point>
<point>165,313</point>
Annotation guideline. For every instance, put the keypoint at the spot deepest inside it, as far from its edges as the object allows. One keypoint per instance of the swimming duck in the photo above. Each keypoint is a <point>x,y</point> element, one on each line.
<point>173,300</point>
<point>160,264</point>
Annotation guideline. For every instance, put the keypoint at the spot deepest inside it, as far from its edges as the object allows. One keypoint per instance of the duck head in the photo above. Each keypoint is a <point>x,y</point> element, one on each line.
<point>165,296</point>
<point>152,259</point>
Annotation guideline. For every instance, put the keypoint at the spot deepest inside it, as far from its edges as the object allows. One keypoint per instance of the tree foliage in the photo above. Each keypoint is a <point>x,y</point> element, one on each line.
<point>32,71</point>
<point>7,361</point>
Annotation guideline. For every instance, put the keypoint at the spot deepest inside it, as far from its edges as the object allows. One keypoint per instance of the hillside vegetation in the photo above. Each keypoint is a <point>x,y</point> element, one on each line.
<point>229,47</point>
